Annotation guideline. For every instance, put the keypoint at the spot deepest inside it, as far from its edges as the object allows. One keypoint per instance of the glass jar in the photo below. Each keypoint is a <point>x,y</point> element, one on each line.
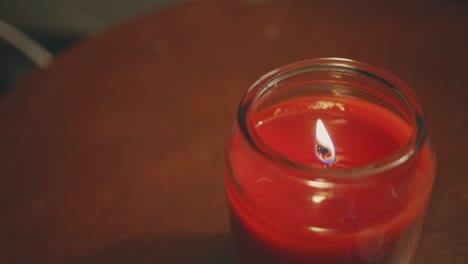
<point>328,162</point>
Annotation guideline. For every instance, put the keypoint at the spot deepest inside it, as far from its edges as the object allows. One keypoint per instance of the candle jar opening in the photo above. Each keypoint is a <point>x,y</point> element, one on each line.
<point>328,162</point>
<point>332,80</point>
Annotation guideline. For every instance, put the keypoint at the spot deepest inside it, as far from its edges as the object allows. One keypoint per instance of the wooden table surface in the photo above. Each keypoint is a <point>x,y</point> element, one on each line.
<point>114,154</point>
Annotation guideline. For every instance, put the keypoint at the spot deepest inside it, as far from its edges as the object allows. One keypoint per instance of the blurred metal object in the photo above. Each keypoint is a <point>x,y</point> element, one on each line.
<point>30,48</point>
<point>75,17</point>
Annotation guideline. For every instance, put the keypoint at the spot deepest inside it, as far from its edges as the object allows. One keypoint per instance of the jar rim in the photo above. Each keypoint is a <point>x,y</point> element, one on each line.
<point>412,145</point>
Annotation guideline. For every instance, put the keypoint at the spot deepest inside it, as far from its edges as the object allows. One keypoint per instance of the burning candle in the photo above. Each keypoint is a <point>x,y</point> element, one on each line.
<point>324,146</point>
<point>328,163</point>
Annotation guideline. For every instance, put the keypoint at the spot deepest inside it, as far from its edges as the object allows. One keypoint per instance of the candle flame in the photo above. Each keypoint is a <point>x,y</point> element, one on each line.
<point>324,149</point>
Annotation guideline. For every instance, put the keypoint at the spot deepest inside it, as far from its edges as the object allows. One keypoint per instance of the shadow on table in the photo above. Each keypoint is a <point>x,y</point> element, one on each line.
<point>177,250</point>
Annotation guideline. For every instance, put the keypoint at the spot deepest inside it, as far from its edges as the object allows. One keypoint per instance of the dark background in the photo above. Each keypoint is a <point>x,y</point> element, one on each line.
<point>58,24</point>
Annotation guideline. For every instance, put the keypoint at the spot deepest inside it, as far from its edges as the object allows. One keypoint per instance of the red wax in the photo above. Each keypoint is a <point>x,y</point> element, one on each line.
<point>280,215</point>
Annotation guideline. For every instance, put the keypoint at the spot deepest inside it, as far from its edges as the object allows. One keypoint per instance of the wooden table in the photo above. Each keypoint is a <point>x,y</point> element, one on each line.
<point>114,154</point>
